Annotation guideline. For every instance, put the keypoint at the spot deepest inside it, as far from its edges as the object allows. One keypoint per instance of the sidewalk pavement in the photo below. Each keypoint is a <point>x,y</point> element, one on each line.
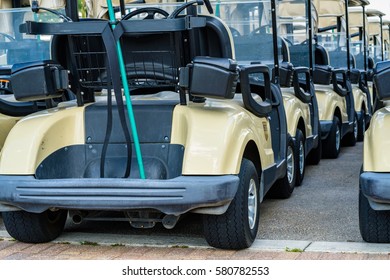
<point>72,246</point>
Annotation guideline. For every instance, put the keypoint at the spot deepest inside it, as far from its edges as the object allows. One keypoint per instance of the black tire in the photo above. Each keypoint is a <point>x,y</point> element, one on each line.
<point>374,225</point>
<point>361,126</point>
<point>300,160</point>
<point>35,227</point>
<point>351,138</point>
<point>234,229</point>
<point>284,187</point>
<point>315,155</point>
<point>331,145</point>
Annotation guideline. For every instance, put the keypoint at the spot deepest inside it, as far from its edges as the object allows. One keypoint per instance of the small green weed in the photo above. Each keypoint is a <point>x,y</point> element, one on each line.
<point>294,250</point>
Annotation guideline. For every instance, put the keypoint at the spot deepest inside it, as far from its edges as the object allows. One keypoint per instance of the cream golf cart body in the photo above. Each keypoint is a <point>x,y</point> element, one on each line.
<point>374,187</point>
<point>334,94</point>
<point>207,143</point>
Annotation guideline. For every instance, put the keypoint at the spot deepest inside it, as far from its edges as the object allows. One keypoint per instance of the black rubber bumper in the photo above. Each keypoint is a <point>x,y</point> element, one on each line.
<point>175,196</point>
<point>376,186</point>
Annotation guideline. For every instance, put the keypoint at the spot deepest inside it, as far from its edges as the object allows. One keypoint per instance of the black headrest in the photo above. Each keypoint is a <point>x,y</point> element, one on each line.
<point>321,55</point>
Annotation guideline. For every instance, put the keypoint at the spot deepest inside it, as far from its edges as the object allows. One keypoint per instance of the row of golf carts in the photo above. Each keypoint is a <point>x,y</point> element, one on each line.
<point>155,110</point>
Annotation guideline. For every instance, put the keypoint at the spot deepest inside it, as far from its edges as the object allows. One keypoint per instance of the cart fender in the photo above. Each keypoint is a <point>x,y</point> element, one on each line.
<point>360,99</point>
<point>377,142</point>
<point>295,110</point>
<point>6,124</point>
<point>328,101</point>
<point>38,135</point>
<point>215,137</point>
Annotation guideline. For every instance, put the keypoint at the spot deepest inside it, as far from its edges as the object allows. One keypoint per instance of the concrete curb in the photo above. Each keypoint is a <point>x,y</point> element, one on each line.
<point>193,242</point>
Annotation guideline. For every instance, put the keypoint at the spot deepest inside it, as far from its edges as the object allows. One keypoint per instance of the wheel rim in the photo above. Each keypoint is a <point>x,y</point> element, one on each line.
<point>290,164</point>
<point>301,157</point>
<point>338,138</point>
<point>355,128</point>
<point>252,204</point>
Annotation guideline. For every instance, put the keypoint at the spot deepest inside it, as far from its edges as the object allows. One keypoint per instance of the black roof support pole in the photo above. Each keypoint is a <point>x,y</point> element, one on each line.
<point>275,41</point>
<point>381,23</point>
<point>309,15</point>
<point>348,37</point>
<point>122,4</point>
<point>364,38</point>
<point>71,9</point>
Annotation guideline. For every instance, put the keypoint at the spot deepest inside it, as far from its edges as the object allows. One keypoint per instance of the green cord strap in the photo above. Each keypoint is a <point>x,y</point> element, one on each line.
<point>127,95</point>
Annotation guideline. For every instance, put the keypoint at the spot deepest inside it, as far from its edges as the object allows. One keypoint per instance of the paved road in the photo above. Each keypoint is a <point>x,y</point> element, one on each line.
<point>324,208</point>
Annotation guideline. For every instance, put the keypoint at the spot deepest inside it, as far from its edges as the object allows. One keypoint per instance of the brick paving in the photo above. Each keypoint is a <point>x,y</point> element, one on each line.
<point>14,250</point>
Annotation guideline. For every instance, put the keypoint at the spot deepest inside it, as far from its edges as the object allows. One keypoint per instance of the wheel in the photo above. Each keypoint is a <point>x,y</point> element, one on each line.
<point>351,138</point>
<point>283,188</point>
<point>35,227</point>
<point>150,12</point>
<point>374,225</point>
<point>314,156</point>
<point>331,145</point>
<point>361,126</point>
<point>300,162</point>
<point>237,227</point>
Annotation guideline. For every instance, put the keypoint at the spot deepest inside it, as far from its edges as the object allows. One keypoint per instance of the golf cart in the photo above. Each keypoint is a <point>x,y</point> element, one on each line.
<point>358,54</point>
<point>199,132</point>
<point>295,77</point>
<point>374,188</point>
<point>333,88</point>
<point>266,44</point>
<point>375,49</point>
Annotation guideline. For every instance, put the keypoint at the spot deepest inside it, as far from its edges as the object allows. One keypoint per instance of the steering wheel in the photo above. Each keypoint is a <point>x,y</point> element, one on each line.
<point>150,11</point>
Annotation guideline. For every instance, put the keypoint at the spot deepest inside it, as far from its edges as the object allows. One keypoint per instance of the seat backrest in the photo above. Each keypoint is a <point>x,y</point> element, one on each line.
<point>153,58</point>
<point>299,55</point>
<point>216,39</point>
<point>321,56</point>
<point>338,59</point>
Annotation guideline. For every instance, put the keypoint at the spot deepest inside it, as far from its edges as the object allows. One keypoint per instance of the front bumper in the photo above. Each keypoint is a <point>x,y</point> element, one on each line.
<point>174,196</point>
<point>376,187</point>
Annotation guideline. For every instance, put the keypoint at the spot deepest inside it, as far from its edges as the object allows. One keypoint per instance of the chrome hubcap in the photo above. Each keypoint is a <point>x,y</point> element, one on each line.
<point>338,138</point>
<point>301,157</point>
<point>290,164</point>
<point>252,204</point>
